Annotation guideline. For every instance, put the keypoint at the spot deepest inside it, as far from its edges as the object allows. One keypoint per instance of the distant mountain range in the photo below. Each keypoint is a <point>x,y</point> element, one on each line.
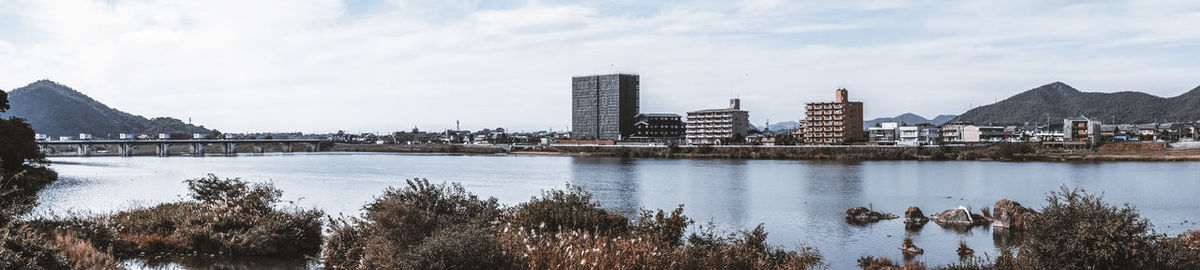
<point>909,118</point>
<point>57,110</point>
<point>1059,100</point>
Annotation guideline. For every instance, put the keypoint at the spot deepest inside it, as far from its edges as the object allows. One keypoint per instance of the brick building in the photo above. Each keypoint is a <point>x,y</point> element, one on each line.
<point>833,122</point>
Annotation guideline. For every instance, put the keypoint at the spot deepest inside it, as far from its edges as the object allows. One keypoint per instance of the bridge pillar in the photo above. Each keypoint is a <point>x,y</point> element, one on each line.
<point>83,149</point>
<point>258,148</point>
<point>287,147</point>
<point>198,149</point>
<point>125,149</point>
<point>163,149</point>
<point>231,149</point>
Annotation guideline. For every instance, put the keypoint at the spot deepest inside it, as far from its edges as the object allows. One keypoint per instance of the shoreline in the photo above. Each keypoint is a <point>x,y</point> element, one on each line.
<point>995,152</point>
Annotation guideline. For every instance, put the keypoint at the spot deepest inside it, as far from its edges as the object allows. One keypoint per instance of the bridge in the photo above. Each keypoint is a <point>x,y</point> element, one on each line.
<point>162,148</point>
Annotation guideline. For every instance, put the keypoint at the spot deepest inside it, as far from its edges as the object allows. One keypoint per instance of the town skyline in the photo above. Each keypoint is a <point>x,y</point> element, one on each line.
<point>506,64</point>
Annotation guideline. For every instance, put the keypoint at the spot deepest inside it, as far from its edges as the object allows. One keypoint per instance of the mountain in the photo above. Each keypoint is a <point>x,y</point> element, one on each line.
<point>1058,100</point>
<point>909,118</point>
<point>780,127</point>
<point>57,110</point>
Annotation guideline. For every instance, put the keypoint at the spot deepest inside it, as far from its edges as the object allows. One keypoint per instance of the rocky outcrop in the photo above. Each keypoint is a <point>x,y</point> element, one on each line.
<point>960,217</point>
<point>862,215</point>
<point>1011,215</point>
<point>914,216</point>
<point>908,248</point>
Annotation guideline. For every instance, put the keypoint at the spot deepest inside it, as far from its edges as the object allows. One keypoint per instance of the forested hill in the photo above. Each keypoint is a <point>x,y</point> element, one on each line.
<point>57,110</point>
<point>1059,100</point>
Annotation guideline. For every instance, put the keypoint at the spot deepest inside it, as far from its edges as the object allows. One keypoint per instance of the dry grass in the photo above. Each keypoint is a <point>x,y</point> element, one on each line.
<point>83,255</point>
<point>430,226</point>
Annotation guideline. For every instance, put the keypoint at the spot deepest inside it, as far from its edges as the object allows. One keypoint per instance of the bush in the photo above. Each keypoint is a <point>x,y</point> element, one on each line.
<point>230,216</point>
<point>397,222</point>
<point>743,250</point>
<point>459,247</point>
<point>24,248</point>
<point>1078,230</point>
<point>573,209</point>
<point>443,227</point>
<point>18,192</point>
<point>662,228</point>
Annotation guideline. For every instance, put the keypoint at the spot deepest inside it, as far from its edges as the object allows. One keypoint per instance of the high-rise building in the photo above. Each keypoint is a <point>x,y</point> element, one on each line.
<point>603,107</point>
<point>718,126</point>
<point>833,122</point>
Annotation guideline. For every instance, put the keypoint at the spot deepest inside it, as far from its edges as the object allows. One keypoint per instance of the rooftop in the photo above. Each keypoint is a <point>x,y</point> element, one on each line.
<point>717,110</point>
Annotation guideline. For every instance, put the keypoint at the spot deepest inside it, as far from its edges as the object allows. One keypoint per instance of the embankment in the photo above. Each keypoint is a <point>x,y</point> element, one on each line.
<point>417,148</point>
<point>1002,152</point>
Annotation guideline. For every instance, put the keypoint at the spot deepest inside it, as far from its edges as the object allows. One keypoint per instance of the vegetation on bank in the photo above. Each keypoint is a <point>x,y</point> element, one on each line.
<point>1078,230</point>
<point>227,217</point>
<point>426,226</point>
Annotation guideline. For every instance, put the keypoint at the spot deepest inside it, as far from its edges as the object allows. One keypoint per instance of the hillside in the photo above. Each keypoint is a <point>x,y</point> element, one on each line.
<point>1059,100</point>
<point>909,118</point>
<point>57,110</point>
<point>785,126</point>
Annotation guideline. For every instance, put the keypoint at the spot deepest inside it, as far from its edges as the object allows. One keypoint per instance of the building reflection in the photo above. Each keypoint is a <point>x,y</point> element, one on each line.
<point>613,182</point>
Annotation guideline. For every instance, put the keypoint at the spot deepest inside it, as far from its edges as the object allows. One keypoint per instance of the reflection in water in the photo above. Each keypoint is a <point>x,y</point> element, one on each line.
<point>612,181</point>
<point>726,188</point>
<point>836,186</point>
<point>225,263</point>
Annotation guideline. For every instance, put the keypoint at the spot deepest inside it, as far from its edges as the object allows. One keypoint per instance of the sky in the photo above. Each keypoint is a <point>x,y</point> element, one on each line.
<point>389,65</point>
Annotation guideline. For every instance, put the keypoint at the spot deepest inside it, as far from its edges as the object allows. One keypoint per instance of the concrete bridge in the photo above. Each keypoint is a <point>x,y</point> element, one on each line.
<point>162,148</point>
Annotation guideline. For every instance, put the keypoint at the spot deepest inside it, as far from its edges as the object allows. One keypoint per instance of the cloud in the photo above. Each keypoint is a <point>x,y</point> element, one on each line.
<point>325,65</point>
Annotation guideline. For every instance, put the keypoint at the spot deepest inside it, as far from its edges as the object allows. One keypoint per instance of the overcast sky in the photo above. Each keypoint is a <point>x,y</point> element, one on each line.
<point>325,65</point>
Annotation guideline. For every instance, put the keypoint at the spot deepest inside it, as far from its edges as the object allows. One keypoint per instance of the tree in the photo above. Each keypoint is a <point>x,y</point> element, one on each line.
<point>17,142</point>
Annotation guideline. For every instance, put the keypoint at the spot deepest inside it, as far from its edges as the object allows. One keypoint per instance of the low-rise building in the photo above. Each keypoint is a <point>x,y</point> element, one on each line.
<point>85,136</point>
<point>962,132</point>
<point>718,126</point>
<point>1081,129</point>
<point>41,137</point>
<point>658,127</point>
<point>885,133</point>
<point>908,135</point>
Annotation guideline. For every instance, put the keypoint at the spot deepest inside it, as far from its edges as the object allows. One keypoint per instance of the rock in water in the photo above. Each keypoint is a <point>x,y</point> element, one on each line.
<point>914,216</point>
<point>862,215</point>
<point>908,248</point>
<point>1011,215</point>
<point>960,217</point>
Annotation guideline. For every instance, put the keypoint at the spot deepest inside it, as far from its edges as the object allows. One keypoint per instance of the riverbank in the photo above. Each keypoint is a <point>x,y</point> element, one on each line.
<point>418,148</point>
<point>999,152</point>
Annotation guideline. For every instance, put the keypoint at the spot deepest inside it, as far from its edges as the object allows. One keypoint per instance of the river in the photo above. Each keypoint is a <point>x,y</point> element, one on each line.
<point>800,202</point>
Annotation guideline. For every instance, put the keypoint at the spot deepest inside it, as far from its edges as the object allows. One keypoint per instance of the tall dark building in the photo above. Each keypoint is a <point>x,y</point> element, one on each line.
<point>603,107</point>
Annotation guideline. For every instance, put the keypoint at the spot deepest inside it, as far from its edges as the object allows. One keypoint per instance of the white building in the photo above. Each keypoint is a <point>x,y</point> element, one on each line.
<point>41,137</point>
<point>85,136</point>
<point>908,135</point>
<point>717,126</point>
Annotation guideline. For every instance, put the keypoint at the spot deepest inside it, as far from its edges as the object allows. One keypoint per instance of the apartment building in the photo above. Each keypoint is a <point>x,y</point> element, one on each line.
<point>833,122</point>
<point>718,126</point>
